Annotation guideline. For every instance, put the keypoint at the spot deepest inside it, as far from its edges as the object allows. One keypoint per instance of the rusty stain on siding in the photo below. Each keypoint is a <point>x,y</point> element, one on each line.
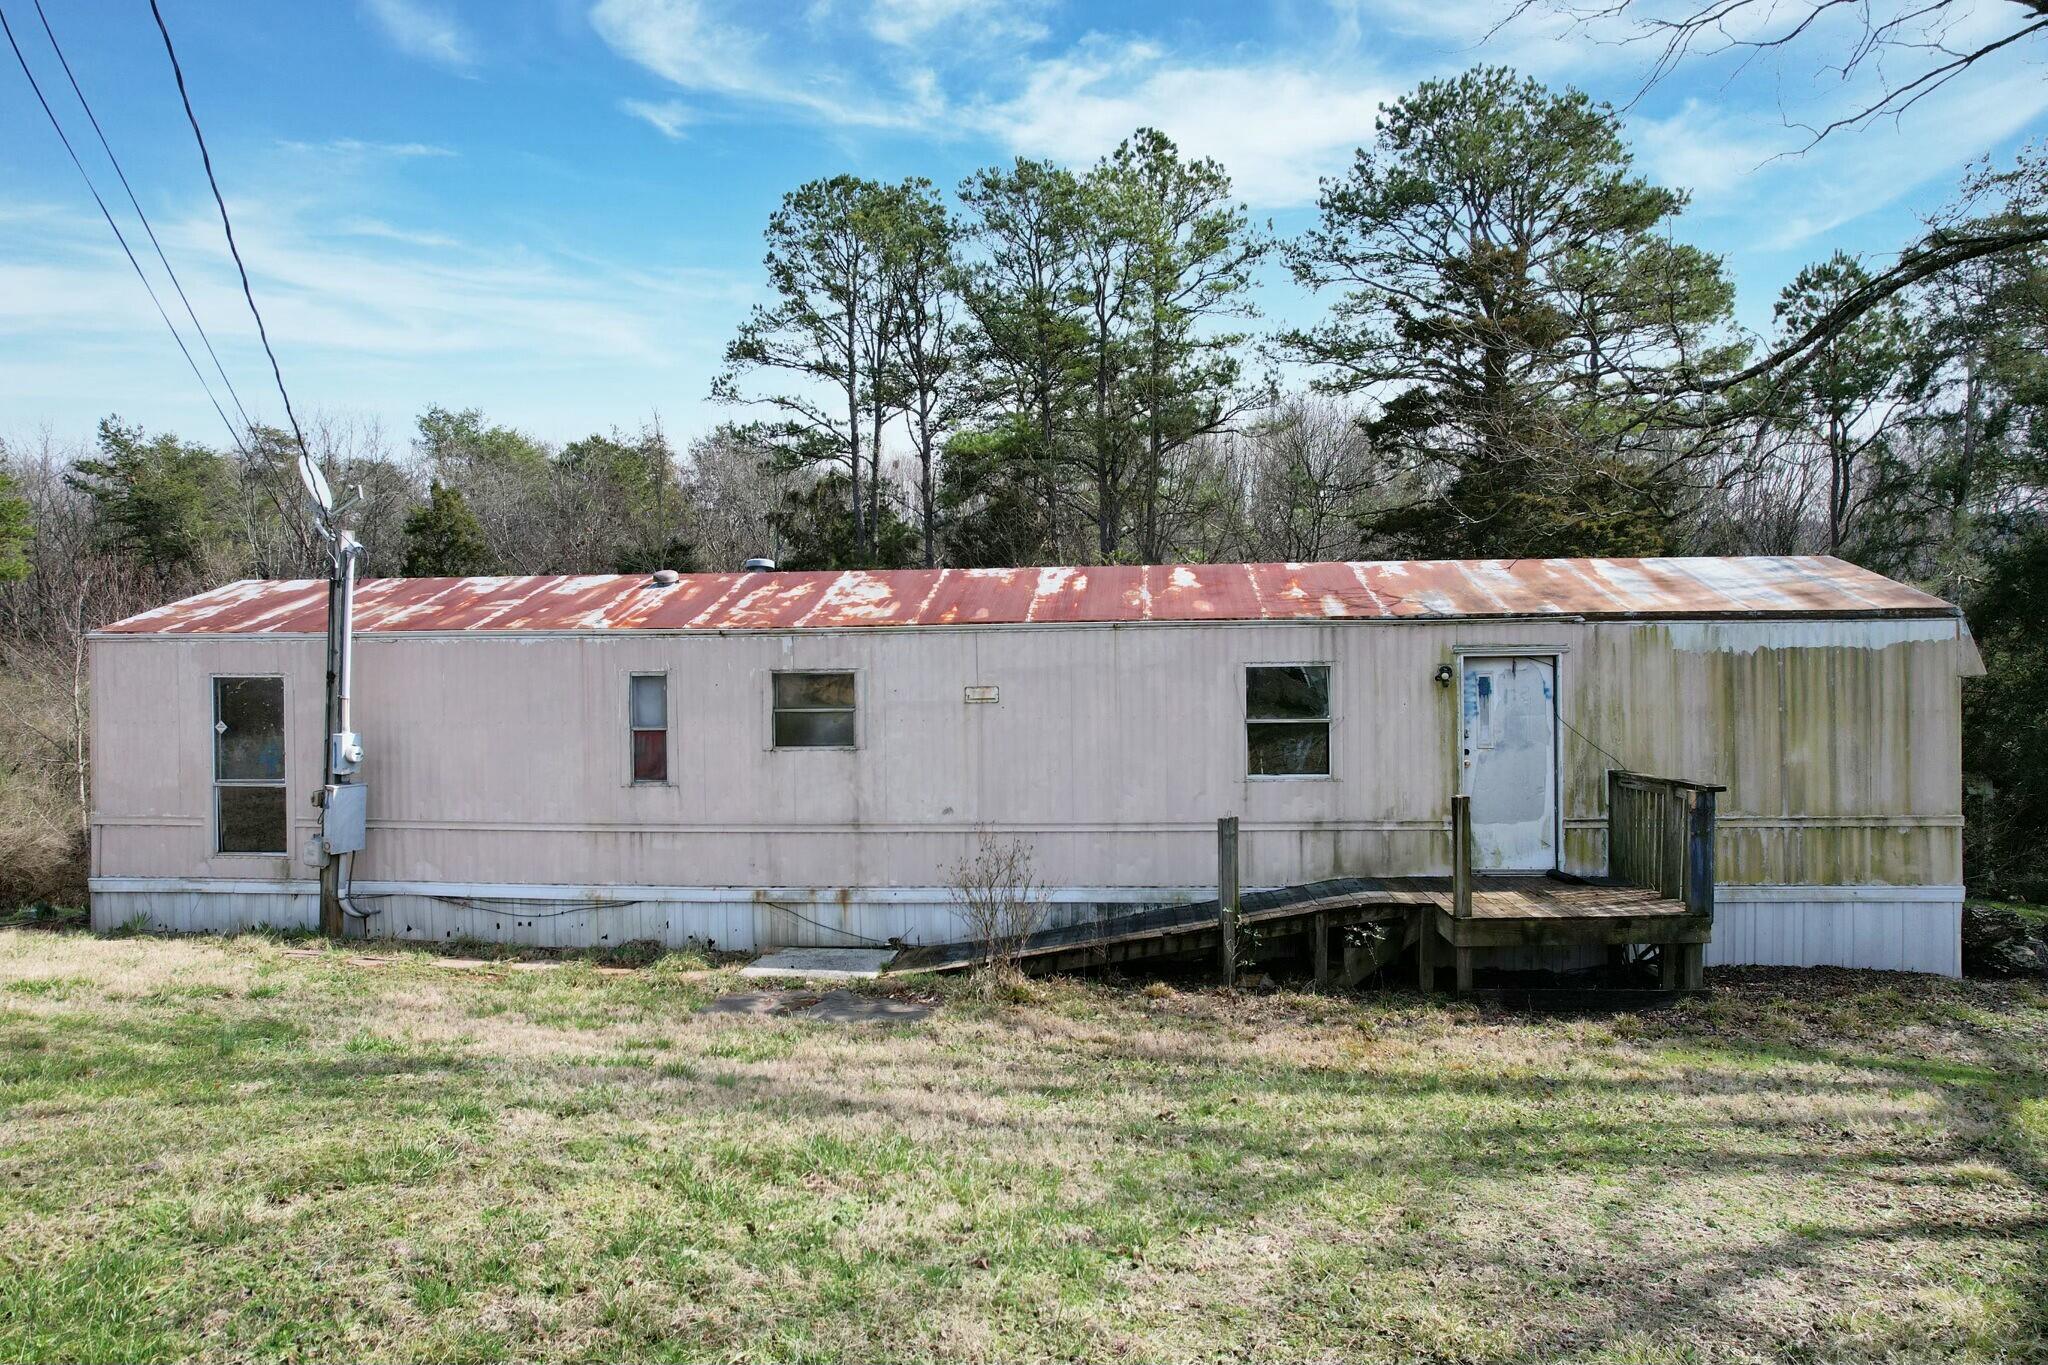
<point>1374,590</point>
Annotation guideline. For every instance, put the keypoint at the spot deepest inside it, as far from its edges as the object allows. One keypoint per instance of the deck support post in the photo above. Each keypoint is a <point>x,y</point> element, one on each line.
<point>1667,965</point>
<point>1226,895</point>
<point>1692,964</point>
<point>1322,951</point>
<point>1425,951</point>
<point>1464,963</point>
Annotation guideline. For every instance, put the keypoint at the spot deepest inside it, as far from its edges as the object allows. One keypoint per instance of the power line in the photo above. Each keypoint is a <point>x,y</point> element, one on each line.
<point>137,206</point>
<point>207,160</point>
<point>92,189</point>
<point>1588,741</point>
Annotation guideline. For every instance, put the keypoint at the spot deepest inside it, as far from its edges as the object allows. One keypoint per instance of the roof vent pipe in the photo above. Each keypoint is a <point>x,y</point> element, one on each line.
<point>666,578</point>
<point>759,564</point>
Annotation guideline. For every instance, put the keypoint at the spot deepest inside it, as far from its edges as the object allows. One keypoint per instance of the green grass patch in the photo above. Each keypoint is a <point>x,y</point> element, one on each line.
<point>218,1150</point>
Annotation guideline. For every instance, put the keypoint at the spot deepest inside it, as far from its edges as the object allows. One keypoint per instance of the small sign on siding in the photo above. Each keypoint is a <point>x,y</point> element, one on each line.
<point>980,692</point>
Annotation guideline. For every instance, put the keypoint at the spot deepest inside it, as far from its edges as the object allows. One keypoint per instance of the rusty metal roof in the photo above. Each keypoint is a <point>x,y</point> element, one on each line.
<point>1369,590</point>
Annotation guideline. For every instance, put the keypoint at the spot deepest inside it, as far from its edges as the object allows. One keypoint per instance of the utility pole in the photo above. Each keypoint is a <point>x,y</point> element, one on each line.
<point>343,800</point>
<point>342,797</point>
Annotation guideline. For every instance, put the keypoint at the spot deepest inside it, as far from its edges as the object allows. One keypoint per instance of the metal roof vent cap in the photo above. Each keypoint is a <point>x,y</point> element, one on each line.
<point>759,564</point>
<point>666,578</point>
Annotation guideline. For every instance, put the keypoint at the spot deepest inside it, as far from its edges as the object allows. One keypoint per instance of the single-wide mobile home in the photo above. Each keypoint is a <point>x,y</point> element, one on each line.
<point>754,759</point>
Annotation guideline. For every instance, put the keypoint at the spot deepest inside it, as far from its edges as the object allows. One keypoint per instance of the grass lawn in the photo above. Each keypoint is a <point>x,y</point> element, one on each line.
<point>237,1149</point>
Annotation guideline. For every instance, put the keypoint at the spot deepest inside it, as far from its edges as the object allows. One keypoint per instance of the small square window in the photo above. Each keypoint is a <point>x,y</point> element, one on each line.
<point>647,720</point>
<point>814,711</point>
<point>1287,720</point>
<point>251,819</point>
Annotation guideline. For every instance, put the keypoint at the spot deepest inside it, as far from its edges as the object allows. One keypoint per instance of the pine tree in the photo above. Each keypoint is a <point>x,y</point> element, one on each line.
<point>443,538</point>
<point>1513,306</point>
<point>160,498</point>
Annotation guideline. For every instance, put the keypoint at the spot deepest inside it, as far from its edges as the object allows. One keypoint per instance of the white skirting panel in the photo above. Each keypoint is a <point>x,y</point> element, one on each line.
<point>1891,928</point>
<point>723,917</point>
<point>194,905</point>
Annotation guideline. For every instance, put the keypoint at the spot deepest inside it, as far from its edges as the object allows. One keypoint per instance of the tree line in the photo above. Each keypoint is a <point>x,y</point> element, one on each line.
<point>1516,355</point>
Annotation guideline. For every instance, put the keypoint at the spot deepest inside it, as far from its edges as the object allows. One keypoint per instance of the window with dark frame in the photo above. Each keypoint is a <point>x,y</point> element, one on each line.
<point>1287,720</point>
<point>248,765</point>
<point>647,704</point>
<point>814,711</point>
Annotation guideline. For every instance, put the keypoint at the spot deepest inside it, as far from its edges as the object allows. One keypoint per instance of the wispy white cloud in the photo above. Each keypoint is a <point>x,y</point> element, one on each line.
<point>1750,161</point>
<point>1277,120</point>
<point>695,45</point>
<point>1707,148</point>
<point>904,23</point>
<point>426,30</point>
<point>360,311</point>
<point>668,117</point>
<point>378,228</point>
<point>356,147</point>
<point>1275,124</point>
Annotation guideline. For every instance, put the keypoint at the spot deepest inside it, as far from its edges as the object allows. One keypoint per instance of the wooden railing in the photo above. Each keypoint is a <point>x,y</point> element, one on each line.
<point>1660,835</point>
<point>1461,856</point>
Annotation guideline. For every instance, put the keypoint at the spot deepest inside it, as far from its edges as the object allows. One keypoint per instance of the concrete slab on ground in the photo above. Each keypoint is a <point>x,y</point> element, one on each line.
<point>825,964</point>
<point>833,1007</point>
<point>747,1004</point>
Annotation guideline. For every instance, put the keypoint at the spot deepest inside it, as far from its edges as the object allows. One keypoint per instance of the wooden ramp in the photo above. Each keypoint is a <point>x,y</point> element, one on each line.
<point>1124,934</point>
<point>1660,844</point>
<point>1506,911</point>
<point>1661,895</point>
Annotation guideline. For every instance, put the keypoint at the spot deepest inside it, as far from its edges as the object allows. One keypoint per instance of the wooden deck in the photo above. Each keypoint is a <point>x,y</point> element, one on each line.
<point>1528,911</point>
<point>1506,911</point>
<point>1660,845</point>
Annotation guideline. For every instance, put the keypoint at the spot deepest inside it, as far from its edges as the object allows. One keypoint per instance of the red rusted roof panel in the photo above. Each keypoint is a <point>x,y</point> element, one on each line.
<point>979,596</point>
<point>1787,586</point>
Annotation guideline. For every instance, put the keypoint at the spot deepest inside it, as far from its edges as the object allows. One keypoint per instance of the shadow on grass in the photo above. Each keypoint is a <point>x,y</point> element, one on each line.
<point>1692,1100</point>
<point>1157,1133</point>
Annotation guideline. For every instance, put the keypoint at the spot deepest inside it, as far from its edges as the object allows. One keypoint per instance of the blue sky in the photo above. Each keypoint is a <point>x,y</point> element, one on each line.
<point>551,209</point>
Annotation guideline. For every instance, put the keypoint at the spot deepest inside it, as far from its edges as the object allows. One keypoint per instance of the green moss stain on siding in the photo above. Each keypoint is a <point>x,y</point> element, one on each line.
<point>1822,733</point>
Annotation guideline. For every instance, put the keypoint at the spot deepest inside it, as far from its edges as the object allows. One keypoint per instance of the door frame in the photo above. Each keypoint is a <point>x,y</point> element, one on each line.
<point>1554,654</point>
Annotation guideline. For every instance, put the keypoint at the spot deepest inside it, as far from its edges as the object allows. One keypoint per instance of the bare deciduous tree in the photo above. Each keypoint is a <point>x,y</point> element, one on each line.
<point>1311,473</point>
<point>733,489</point>
<point>1912,48</point>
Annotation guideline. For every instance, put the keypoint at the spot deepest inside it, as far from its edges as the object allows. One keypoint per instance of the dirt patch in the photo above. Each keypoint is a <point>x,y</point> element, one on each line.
<point>844,1007</point>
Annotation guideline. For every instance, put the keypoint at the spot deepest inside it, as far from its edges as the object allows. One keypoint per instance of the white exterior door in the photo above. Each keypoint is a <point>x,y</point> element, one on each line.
<point>1508,761</point>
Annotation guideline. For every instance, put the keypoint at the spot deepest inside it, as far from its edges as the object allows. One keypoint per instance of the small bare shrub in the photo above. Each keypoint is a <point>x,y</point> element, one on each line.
<point>1001,899</point>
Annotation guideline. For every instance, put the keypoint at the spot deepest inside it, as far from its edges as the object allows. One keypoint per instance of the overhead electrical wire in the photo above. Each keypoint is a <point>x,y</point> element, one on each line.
<point>136,204</point>
<point>206,160</point>
<point>119,236</point>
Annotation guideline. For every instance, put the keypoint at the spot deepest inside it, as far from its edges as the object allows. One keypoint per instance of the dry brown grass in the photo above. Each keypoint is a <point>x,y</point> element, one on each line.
<point>222,1150</point>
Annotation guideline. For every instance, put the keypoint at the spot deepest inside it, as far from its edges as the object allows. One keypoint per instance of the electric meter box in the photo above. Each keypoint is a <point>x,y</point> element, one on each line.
<point>344,816</point>
<point>345,752</point>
